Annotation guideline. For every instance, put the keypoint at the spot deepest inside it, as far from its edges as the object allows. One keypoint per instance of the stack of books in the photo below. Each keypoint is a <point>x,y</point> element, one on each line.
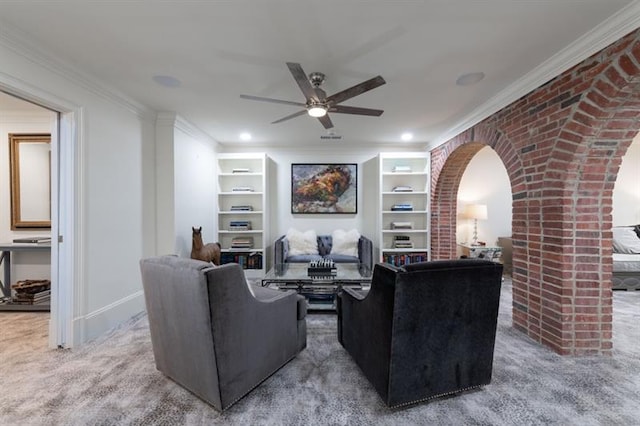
<point>402,188</point>
<point>240,225</point>
<point>402,207</point>
<point>401,225</point>
<point>242,189</point>
<point>402,242</point>
<point>242,242</point>
<point>402,169</point>
<point>32,292</point>
<point>241,208</point>
<point>240,170</point>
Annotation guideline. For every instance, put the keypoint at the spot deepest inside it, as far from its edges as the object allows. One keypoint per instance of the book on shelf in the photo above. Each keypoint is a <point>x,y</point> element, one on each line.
<point>242,189</point>
<point>402,188</point>
<point>246,260</point>
<point>241,170</point>
<point>34,240</point>
<point>242,242</point>
<point>402,207</point>
<point>32,298</point>
<point>240,225</point>
<point>402,242</point>
<point>401,169</point>
<point>400,259</point>
<point>401,225</point>
<point>241,208</point>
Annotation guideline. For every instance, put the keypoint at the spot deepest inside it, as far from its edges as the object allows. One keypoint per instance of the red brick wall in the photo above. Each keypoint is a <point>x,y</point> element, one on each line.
<point>562,146</point>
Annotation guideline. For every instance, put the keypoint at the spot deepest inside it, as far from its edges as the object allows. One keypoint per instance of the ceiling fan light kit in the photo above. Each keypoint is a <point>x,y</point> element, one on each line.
<point>317,111</point>
<point>317,103</point>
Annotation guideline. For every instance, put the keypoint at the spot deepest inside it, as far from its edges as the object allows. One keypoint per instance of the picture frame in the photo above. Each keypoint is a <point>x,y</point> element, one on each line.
<point>324,188</point>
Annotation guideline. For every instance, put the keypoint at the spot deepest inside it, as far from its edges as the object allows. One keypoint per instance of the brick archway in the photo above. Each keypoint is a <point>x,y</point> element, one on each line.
<point>448,166</point>
<point>562,146</point>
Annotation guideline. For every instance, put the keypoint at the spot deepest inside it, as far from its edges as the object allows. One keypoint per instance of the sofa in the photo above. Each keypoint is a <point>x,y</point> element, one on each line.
<point>425,330</point>
<point>340,246</point>
<point>213,333</point>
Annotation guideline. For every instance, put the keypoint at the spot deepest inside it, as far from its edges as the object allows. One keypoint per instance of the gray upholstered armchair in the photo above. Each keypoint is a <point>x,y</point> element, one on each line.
<point>211,335</point>
<point>425,330</point>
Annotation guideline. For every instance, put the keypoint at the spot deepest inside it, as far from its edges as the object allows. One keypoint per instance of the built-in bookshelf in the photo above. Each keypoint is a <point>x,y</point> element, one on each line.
<point>242,210</point>
<point>404,219</point>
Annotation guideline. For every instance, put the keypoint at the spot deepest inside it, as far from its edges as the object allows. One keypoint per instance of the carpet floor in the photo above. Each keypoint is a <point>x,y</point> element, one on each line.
<point>113,381</point>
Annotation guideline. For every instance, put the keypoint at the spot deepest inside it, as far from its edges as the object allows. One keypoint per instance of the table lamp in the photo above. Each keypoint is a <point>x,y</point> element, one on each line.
<point>475,212</point>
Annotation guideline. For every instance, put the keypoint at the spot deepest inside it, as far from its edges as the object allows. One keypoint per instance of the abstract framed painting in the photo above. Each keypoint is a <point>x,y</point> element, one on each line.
<point>324,188</point>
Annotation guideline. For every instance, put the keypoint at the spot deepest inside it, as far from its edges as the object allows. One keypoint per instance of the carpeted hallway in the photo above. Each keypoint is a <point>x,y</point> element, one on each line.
<point>113,381</point>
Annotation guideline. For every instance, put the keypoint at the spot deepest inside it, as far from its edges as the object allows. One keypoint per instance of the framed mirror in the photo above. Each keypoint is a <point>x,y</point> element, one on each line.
<point>30,168</point>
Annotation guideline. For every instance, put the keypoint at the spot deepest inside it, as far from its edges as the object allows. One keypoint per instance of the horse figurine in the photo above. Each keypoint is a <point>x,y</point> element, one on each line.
<point>207,252</point>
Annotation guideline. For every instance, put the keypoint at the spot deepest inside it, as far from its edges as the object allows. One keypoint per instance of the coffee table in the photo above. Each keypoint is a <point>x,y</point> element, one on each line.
<point>320,292</point>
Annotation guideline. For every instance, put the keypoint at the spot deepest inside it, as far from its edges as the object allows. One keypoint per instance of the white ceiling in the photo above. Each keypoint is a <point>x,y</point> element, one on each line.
<point>221,49</point>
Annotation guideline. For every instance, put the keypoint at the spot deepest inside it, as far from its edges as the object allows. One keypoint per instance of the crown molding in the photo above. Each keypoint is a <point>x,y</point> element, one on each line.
<point>609,31</point>
<point>172,119</point>
<point>18,42</point>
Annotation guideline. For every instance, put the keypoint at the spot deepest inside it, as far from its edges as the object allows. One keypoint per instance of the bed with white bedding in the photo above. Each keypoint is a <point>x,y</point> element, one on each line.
<point>626,258</point>
<point>626,271</point>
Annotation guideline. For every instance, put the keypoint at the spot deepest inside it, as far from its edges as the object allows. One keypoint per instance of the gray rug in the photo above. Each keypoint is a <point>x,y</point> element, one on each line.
<point>113,381</point>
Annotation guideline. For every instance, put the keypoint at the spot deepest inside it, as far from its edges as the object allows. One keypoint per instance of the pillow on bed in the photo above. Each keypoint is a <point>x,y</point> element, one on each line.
<point>302,242</point>
<point>625,240</point>
<point>344,242</point>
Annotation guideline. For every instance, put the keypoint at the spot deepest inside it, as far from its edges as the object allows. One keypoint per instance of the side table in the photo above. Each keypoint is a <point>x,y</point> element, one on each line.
<point>492,253</point>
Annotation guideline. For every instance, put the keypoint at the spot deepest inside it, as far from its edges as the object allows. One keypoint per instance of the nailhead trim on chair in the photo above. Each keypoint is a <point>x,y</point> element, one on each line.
<point>435,396</point>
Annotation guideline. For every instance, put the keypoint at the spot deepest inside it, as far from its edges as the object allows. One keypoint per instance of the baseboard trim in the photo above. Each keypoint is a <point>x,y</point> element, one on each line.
<point>106,318</point>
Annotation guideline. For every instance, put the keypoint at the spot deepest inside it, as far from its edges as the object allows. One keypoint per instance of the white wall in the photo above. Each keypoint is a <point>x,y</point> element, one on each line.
<point>195,189</point>
<point>112,222</point>
<point>626,192</point>
<point>25,265</point>
<point>485,181</point>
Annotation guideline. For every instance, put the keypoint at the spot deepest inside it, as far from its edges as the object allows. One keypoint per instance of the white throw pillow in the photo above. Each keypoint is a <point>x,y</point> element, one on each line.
<point>625,240</point>
<point>302,242</point>
<point>345,243</point>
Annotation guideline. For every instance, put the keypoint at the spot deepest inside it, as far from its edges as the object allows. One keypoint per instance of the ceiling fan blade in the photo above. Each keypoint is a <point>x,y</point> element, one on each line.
<point>326,121</point>
<point>356,90</point>
<point>303,81</point>
<point>289,117</point>
<point>343,109</point>
<point>274,101</point>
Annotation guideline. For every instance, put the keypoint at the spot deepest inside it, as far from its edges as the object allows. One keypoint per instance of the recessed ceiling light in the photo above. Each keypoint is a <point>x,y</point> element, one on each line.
<point>166,80</point>
<point>245,136</point>
<point>470,78</point>
<point>406,136</point>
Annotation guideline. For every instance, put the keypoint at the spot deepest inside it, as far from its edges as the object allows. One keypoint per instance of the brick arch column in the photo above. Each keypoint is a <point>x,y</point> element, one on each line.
<point>562,145</point>
<point>575,206</point>
<point>448,163</point>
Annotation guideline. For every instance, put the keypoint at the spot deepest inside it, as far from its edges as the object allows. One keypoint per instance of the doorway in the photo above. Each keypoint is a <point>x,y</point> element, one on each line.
<point>61,123</point>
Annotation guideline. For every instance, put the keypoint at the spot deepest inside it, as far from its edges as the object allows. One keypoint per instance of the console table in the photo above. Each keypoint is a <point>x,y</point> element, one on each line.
<point>320,292</point>
<point>5,284</point>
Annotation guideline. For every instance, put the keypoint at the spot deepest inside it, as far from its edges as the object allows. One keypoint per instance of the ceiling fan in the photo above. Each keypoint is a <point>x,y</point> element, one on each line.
<point>318,104</point>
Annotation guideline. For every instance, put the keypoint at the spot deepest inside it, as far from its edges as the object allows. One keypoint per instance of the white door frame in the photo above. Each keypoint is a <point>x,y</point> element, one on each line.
<point>66,217</point>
